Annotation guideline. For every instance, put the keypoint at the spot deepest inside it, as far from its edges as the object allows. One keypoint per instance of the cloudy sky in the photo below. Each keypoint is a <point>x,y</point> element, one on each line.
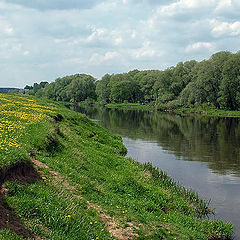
<point>45,39</point>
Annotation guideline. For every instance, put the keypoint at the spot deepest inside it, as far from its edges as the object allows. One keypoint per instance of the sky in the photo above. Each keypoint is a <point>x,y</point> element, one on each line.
<point>42,40</point>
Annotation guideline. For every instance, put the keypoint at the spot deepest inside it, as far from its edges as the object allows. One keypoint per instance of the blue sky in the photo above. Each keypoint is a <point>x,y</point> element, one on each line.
<point>41,40</point>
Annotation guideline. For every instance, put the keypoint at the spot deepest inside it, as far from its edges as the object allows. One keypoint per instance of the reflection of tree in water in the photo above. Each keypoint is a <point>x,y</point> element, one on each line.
<point>206,139</point>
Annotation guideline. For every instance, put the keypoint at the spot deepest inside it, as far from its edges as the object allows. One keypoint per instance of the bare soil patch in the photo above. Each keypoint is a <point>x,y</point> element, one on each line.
<point>23,173</point>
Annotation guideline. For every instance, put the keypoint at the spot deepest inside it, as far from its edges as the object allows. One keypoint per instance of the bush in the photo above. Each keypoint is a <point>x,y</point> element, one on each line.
<point>173,104</point>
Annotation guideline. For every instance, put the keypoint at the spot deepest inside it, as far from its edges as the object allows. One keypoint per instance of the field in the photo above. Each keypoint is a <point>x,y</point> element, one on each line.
<point>64,177</point>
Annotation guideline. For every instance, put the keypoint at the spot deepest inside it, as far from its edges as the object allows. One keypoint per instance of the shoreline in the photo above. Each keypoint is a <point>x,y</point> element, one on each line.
<point>181,110</point>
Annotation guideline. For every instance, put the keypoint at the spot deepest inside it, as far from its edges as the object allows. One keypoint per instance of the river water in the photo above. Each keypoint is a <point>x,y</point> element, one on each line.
<point>202,153</point>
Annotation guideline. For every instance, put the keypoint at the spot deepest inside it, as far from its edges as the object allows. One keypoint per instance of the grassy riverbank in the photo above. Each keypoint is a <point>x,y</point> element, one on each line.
<point>201,109</point>
<point>206,111</point>
<point>65,177</point>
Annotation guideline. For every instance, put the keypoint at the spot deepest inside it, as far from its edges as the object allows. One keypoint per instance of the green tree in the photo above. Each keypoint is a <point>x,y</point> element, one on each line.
<point>125,90</point>
<point>81,87</point>
<point>230,86</point>
<point>103,89</point>
<point>181,76</point>
<point>206,84</point>
<point>146,81</point>
<point>49,91</point>
<point>123,87</point>
<point>161,88</point>
<point>36,87</point>
<point>28,87</point>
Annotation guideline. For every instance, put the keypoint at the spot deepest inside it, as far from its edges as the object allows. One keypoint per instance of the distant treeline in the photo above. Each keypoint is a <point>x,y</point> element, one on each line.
<point>213,82</point>
<point>8,90</point>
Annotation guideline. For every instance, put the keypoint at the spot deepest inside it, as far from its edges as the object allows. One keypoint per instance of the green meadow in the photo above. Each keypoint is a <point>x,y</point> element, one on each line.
<point>64,177</point>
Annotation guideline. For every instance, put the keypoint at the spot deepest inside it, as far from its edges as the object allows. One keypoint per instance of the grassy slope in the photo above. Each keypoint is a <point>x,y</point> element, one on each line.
<point>89,190</point>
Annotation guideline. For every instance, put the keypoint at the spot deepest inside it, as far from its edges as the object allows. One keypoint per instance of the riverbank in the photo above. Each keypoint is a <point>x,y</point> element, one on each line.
<point>75,182</point>
<point>203,110</point>
<point>206,112</point>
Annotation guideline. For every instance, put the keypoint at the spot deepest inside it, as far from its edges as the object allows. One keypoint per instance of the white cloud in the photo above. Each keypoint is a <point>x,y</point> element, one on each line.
<point>98,59</point>
<point>223,4</point>
<point>5,28</point>
<point>200,46</point>
<point>145,51</point>
<point>118,40</point>
<point>25,53</point>
<point>96,34</point>
<point>133,35</point>
<point>9,30</point>
<point>55,4</point>
<point>146,3</point>
<point>228,9</point>
<point>183,6</point>
<point>102,36</point>
<point>220,29</point>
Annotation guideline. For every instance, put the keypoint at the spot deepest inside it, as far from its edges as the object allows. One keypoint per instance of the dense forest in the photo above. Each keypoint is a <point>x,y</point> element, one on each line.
<point>215,82</point>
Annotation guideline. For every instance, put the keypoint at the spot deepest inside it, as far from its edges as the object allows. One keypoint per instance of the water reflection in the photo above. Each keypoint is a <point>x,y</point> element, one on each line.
<point>192,138</point>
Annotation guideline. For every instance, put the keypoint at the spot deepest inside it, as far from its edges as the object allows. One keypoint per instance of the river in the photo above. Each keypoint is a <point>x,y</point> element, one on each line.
<point>202,153</point>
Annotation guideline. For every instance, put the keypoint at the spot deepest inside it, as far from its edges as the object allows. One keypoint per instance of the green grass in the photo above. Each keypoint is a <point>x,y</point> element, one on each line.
<point>207,111</point>
<point>88,179</point>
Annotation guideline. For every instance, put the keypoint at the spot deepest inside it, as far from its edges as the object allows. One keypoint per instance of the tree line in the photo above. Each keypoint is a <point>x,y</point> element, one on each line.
<point>215,81</point>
